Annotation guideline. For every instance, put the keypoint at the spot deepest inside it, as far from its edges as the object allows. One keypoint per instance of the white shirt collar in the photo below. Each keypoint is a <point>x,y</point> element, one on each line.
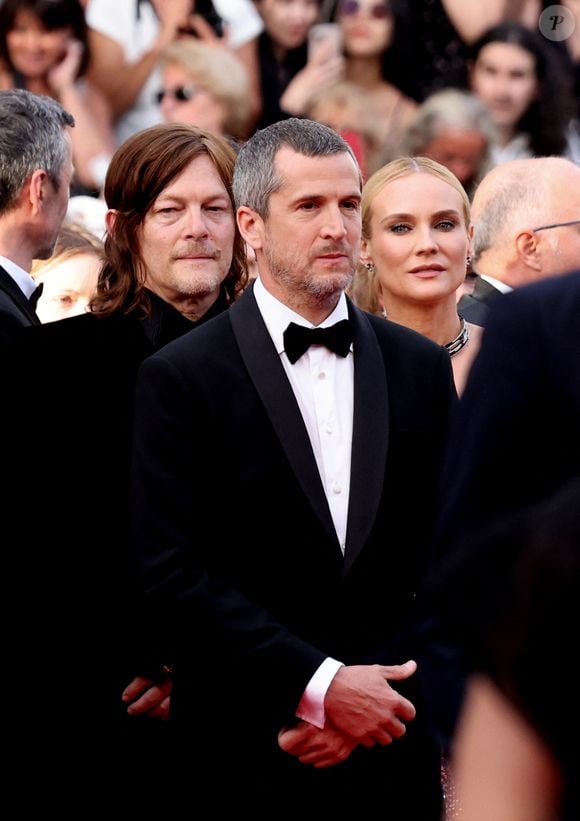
<point>497,283</point>
<point>277,316</point>
<point>22,278</point>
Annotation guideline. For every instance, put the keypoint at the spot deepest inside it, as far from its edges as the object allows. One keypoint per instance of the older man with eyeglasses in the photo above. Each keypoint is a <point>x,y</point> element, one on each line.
<point>526,226</point>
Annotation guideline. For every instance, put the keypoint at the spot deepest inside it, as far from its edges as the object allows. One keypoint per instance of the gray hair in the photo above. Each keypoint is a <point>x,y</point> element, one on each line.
<point>450,107</point>
<point>255,177</point>
<point>32,136</point>
<point>515,196</point>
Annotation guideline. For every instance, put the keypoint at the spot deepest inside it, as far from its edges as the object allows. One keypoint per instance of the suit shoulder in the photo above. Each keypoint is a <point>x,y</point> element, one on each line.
<point>207,336</point>
<point>552,300</point>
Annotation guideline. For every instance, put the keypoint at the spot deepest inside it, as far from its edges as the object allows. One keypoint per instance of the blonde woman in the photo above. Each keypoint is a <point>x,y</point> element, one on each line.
<point>206,86</point>
<point>415,248</point>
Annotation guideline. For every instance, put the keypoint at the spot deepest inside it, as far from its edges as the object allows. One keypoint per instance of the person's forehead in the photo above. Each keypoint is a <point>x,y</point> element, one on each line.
<point>300,170</point>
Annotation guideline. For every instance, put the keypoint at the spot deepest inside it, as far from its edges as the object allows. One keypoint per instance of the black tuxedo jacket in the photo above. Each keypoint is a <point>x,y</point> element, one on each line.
<point>515,441</point>
<point>474,307</point>
<point>234,534</point>
<point>67,417</point>
<point>15,310</point>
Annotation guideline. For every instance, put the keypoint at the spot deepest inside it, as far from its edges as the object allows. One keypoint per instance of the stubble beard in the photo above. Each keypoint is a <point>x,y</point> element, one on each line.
<point>321,288</point>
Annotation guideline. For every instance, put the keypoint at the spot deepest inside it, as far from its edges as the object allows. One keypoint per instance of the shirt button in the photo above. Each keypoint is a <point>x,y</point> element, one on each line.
<point>322,375</point>
<point>328,428</point>
<point>336,488</point>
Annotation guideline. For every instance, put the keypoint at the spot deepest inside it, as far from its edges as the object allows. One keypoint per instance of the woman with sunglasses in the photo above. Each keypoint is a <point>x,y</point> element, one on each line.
<point>206,86</point>
<point>369,28</point>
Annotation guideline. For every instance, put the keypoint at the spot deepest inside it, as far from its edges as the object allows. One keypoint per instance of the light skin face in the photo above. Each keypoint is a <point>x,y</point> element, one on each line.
<point>504,79</point>
<point>34,50</point>
<point>521,252</point>
<point>419,239</point>
<point>364,34</point>
<point>186,239</point>
<point>287,21</point>
<point>318,207</point>
<point>202,110</point>
<point>69,284</point>
<point>560,247</point>
<point>50,205</point>
<point>459,150</point>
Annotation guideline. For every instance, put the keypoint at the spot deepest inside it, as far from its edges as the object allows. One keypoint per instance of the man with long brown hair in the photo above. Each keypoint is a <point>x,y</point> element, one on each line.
<point>174,259</point>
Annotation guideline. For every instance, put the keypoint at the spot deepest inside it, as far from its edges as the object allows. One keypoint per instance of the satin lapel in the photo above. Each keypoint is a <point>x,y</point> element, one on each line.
<point>269,378</point>
<point>8,285</point>
<point>369,436</point>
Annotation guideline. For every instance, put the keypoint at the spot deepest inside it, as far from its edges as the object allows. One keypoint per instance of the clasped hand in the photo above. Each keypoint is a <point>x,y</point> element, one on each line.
<point>361,708</point>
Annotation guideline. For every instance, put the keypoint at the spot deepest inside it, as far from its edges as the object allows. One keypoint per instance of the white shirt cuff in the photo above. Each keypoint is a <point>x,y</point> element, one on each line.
<point>311,707</point>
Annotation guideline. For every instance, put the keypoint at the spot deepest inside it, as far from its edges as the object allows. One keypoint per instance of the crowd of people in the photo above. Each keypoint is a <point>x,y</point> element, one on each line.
<point>291,435</point>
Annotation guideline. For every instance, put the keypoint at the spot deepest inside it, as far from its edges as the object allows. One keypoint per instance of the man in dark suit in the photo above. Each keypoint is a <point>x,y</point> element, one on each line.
<point>35,175</point>
<point>174,258</point>
<point>283,498</point>
<point>526,226</point>
<point>515,441</point>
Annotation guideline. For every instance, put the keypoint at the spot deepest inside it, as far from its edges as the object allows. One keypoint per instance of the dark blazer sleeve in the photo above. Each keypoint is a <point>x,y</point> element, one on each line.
<point>15,310</point>
<point>514,441</point>
<point>172,443</point>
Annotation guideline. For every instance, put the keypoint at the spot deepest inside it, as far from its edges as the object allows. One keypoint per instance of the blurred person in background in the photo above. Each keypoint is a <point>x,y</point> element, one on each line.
<point>69,277</point>
<point>206,86</point>
<point>453,128</point>
<point>44,48</point>
<point>348,109</point>
<point>528,93</point>
<point>128,38</point>
<point>289,75</point>
<point>369,29</point>
<point>518,592</point>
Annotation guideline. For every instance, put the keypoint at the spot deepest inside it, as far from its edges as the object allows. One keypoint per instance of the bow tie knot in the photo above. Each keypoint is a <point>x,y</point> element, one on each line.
<point>337,338</point>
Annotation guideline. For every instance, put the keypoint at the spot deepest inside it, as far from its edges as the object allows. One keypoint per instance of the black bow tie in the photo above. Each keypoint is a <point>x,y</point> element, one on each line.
<point>35,296</point>
<point>337,338</point>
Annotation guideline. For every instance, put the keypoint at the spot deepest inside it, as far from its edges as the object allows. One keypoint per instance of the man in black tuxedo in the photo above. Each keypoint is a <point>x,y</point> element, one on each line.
<point>283,498</point>
<point>526,226</point>
<point>174,258</point>
<point>515,441</point>
<point>35,175</point>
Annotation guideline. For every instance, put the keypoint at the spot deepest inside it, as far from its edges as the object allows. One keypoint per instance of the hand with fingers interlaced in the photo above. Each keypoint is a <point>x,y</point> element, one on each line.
<point>361,708</point>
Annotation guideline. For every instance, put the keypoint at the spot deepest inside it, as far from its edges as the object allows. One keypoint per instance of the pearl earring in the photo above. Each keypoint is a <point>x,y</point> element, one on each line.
<point>370,267</point>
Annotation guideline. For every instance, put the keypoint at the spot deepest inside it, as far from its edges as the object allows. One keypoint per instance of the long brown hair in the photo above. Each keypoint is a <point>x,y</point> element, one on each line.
<point>141,168</point>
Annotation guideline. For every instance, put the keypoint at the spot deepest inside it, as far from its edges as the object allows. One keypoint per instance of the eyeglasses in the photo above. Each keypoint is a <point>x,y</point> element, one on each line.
<point>182,94</point>
<point>556,225</point>
<point>380,11</point>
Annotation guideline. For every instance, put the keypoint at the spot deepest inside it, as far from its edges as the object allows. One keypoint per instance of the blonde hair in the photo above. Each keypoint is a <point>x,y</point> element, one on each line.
<point>402,167</point>
<point>73,240</point>
<point>219,72</point>
<point>364,287</point>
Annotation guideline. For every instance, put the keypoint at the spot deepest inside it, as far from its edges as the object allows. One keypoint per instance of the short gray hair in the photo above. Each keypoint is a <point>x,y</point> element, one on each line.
<point>32,136</point>
<point>514,196</point>
<point>255,177</point>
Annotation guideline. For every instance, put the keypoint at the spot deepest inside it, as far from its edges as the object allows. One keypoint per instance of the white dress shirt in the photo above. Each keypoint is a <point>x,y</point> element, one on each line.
<point>323,384</point>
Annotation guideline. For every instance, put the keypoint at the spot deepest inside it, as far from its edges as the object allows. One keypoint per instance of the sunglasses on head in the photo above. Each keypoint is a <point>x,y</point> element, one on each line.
<point>182,94</point>
<point>380,11</point>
